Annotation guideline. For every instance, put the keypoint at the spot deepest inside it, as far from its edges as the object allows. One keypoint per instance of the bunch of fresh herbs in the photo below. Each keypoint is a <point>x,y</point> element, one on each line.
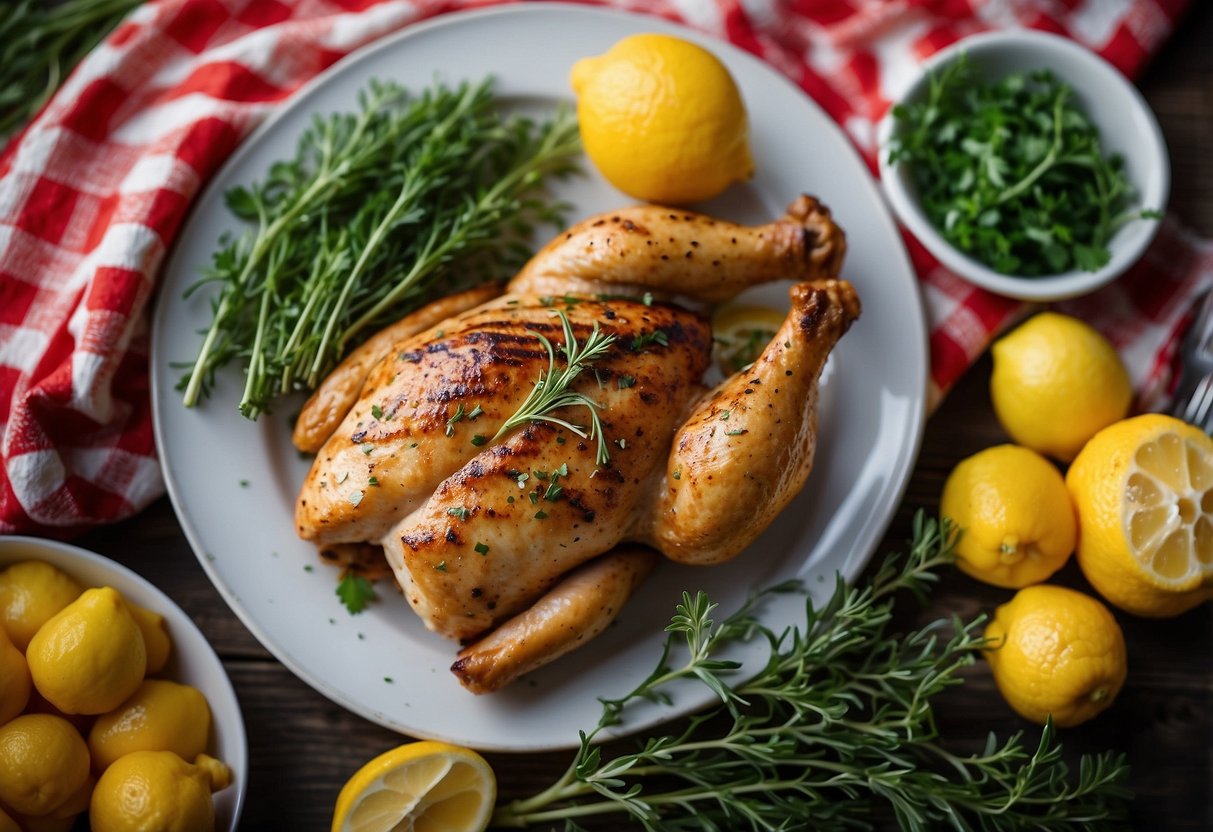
<point>40,43</point>
<point>378,211</point>
<point>836,732</point>
<point>1011,172</point>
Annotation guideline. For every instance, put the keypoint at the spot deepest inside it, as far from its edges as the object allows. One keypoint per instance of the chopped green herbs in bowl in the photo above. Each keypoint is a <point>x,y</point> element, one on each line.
<point>1026,164</point>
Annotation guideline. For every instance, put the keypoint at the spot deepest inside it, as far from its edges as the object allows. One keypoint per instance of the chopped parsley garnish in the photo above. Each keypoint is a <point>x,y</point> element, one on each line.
<point>481,549</point>
<point>479,439</point>
<point>625,382</point>
<point>474,412</point>
<point>735,432</point>
<point>459,511</point>
<point>373,481</point>
<point>376,411</point>
<point>677,473</point>
<point>1011,172</point>
<point>725,414</point>
<point>657,336</point>
<point>440,566</point>
<point>366,449</point>
<point>355,592</point>
<point>541,515</point>
<point>458,417</point>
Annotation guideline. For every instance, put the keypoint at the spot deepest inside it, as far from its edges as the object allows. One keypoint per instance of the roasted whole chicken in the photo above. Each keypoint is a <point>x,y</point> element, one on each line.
<point>524,546</point>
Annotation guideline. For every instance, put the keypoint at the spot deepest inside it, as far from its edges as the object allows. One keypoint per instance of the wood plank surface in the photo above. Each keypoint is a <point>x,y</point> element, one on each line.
<point>303,747</point>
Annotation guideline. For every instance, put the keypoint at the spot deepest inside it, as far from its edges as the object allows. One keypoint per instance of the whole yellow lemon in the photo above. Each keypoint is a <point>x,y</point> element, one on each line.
<point>14,680</point>
<point>1056,652</point>
<point>90,656</point>
<point>1017,524</point>
<point>155,636</point>
<point>157,790</point>
<point>43,762</point>
<point>662,119</point>
<point>1056,383</point>
<point>160,716</point>
<point>32,591</point>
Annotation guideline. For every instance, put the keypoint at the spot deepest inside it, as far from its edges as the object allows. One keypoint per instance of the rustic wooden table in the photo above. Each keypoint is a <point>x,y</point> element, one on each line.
<point>303,747</point>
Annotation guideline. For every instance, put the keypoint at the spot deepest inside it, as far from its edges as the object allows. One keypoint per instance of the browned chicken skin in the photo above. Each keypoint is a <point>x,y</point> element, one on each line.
<point>527,538</point>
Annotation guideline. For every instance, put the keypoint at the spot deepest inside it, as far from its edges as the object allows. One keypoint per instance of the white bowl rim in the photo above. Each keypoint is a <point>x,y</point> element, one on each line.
<point>234,730</point>
<point>1154,193</point>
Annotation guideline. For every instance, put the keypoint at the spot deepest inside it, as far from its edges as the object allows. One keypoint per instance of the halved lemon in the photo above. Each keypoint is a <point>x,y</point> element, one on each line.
<point>423,786</point>
<point>741,332</point>
<point>1143,488</point>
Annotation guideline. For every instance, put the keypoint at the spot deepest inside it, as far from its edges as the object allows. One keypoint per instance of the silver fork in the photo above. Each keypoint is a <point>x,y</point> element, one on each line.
<point>1194,394</point>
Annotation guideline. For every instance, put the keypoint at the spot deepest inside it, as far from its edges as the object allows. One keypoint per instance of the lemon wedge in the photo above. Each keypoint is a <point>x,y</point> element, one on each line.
<point>741,332</point>
<point>423,786</point>
<point>1143,489</point>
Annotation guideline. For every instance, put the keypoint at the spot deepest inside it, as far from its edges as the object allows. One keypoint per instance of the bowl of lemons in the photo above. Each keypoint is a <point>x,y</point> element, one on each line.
<point>112,702</point>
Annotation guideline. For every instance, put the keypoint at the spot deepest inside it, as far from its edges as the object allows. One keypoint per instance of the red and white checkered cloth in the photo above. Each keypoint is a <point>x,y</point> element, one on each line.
<point>94,190</point>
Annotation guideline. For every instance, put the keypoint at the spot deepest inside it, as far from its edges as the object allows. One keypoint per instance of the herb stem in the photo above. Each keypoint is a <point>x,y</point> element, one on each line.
<point>1046,163</point>
<point>553,388</point>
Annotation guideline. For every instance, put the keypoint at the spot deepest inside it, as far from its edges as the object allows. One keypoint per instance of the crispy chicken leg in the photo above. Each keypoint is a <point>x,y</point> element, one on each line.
<point>670,252</point>
<point>574,611</point>
<point>747,450</point>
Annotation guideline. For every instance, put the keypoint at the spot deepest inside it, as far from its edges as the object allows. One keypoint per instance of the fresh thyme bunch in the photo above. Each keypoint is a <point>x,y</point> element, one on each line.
<point>376,211</point>
<point>835,732</point>
<point>40,43</point>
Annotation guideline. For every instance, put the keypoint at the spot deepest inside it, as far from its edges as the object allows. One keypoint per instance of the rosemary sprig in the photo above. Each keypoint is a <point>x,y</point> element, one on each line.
<point>836,732</point>
<point>41,42</point>
<point>552,389</point>
<point>378,211</point>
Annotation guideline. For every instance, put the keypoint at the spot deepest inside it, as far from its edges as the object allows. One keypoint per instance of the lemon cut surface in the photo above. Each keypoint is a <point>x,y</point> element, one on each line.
<point>1144,493</point>
<point>421,786</point>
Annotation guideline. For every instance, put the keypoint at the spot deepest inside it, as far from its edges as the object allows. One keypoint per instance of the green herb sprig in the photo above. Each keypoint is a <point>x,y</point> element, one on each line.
<point>355,592</point>
<point>41,42</point>
<point>836,732</point>
<point>378,211</point>
<point>553,389</point>
<point>1012,172</point>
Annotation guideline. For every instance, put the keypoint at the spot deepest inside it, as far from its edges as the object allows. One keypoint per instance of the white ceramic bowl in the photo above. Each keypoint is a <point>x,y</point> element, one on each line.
<point>192,660</point>
<point>1126,126</point>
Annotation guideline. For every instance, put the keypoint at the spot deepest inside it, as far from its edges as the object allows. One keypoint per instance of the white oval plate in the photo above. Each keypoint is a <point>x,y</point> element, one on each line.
<point>191,662</point>
<point>383,664</point>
